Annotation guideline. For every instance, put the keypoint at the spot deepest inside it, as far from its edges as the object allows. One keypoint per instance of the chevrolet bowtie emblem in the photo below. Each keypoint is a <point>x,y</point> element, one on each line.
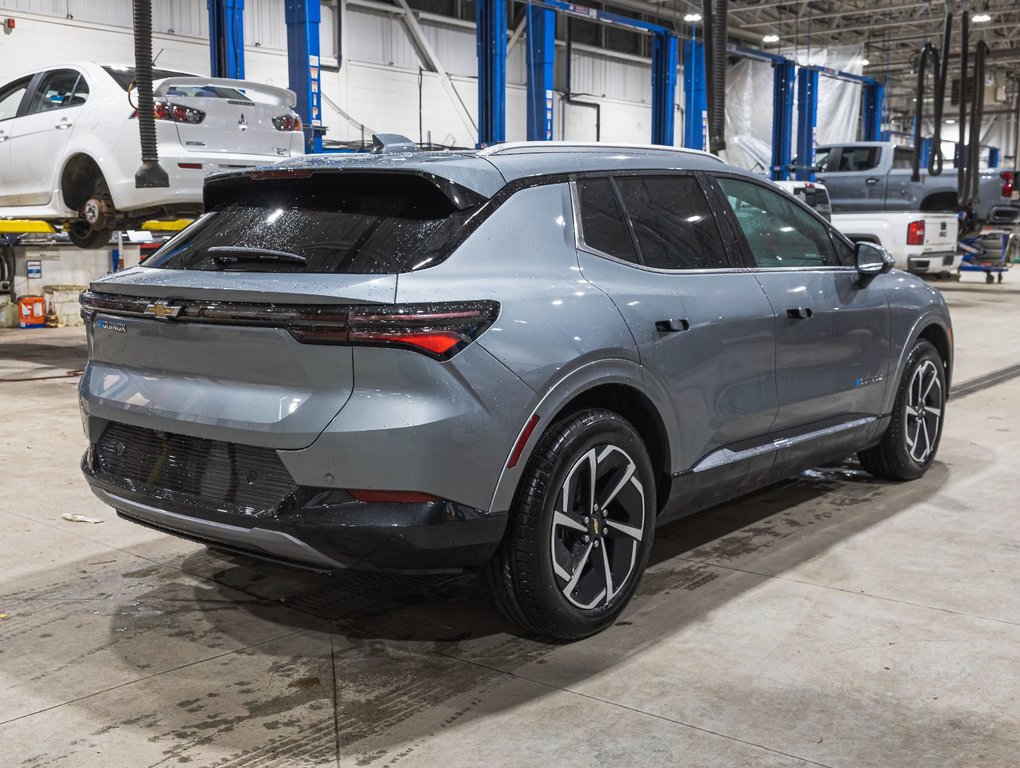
<point>162,311</point>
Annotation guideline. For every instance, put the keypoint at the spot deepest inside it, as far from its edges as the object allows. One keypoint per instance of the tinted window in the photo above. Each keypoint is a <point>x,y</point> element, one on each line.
<point>11,96</point>
<point>602,223</point>
<point>779,232</point>
<point>858,159</point>
<point>902,158</point>
<point>672,222</point>
<point>358,224</point>
<point>57,89</point>
<point>822,156</point>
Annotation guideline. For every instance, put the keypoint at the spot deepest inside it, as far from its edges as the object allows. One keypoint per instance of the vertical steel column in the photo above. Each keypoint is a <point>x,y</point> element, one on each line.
<point>302,18</point>
<point>993,157</point>
<point>540,29</point>
<point>490,23</point>
<point>874,95</point>
<point>783,74</point>
<point>807,119</point>
<point>695,96</point>
<point>664,66</point>
<point>226,38</point>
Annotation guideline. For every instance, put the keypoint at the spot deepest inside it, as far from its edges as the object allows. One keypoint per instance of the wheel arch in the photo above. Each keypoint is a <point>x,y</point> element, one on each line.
<point>77,179</point>
<point>939,201</point>
<point>932,326</point>
<point>939,338</point>
<point>617,385</point>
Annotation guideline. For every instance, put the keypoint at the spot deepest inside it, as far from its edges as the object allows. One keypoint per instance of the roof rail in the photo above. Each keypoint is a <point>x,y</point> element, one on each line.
<point>515,147</point>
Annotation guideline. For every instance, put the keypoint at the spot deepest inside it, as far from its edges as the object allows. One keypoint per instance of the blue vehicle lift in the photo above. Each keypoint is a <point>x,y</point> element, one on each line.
<point>541,44</point>
<point>302,17</point>
<point>695,96</point>
<point>226,38</point>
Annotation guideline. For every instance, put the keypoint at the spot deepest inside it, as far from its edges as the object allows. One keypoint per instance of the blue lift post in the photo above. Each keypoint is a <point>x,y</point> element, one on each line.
<point>695,96</point>
<point>925,151</point>
<point>807,119</point>
<point>871,107</point>
<point>492,66</point>
<point>490,23</point>
<point>993,157</point>
<point>302,17</point>
<point>226,38</point>
<point>541,55</point>
<point>664,65</point>
<point>783,77</point>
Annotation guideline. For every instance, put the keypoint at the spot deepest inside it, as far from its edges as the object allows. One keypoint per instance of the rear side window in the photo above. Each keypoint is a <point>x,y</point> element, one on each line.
<point>330,223</point>
<point>857,159</point>
<point>672,222</point>
<point>902,158</point>
<point>57,89</point>
<point>778,232</point>
<point>602,222</point>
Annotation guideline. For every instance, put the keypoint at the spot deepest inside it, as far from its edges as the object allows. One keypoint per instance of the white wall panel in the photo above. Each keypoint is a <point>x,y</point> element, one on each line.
<point>379,39</point>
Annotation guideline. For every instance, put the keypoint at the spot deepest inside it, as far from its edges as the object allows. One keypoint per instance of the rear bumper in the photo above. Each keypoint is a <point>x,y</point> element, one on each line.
<point>934,263</point>
<point>319,530</point>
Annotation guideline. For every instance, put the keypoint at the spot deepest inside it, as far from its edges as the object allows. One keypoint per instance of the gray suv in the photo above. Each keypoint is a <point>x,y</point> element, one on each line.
<point>520,360</point>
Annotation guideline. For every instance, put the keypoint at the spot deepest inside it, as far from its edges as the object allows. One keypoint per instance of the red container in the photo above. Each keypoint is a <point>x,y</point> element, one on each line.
<point>32,312</point>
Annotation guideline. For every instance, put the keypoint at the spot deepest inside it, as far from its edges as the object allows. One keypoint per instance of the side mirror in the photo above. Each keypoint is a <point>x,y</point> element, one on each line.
<point>872,260</point>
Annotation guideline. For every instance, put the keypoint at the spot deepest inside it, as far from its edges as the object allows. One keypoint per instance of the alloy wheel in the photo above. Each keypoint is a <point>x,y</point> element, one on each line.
<point>597,528</point>
<point>924,412</point>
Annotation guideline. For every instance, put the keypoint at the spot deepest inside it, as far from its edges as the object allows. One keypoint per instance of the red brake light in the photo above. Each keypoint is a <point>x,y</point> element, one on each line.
<point>438,343</point>
<point>392,497</point>
<point>177,112</point>
<point>1007,188</point>
<point>915,233</point>
<point>161,110</point>
<point>287,123</point>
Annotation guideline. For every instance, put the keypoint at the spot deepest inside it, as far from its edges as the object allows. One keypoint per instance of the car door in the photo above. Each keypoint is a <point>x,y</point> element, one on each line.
<point>40,133</point>
<point>832,330</point>
<point>702,324</point>
<point>11,97</point>
<point>854,178</point>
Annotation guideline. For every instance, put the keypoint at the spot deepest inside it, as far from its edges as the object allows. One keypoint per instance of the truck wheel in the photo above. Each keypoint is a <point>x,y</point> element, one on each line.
<point>911,440</point>
<point>580,528</point>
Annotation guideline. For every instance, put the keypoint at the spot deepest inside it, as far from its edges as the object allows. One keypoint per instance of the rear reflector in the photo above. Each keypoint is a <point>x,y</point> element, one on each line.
<point>522,441</point>
<point>392,497</point>
<point>915,233</point>
<point>190,166</point>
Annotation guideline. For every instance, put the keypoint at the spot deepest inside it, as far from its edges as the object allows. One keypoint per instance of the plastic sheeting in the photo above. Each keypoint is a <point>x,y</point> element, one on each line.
<point>749,104</point>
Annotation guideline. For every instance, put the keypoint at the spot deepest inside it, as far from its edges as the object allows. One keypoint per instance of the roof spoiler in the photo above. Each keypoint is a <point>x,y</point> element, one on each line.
<point>283,97</point>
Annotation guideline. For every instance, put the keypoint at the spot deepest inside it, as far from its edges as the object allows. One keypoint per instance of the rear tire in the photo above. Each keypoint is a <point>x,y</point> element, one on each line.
<point>95,227</point>
<point>911,440</point>
<point>571,560</point>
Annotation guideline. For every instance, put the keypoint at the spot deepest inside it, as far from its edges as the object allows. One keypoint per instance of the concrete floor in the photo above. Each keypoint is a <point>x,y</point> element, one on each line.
<point>831,620</point>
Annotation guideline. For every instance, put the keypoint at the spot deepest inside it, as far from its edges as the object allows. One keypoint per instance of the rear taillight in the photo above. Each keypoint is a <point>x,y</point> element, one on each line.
<point>178,113</point>
<point>1007,187</point>
<point>392,497</point>
<point>439,330</point>
<point>287,123</point>
<point>915,233</point>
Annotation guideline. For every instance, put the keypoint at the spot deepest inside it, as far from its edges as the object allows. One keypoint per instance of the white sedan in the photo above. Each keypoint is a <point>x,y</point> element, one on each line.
<point>69,145</point>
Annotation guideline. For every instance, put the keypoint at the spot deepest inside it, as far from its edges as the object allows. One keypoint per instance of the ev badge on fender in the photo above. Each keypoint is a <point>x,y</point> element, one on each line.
<point>163,311</point>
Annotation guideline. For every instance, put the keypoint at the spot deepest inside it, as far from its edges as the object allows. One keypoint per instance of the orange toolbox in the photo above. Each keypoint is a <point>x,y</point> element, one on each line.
<point>32,312</point>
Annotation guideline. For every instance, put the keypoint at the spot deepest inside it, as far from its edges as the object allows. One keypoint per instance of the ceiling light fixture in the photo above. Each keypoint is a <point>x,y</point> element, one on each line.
<point>980,18</point>
<point>865,63</point>
<point>770,39</point>
<point>692,17</point>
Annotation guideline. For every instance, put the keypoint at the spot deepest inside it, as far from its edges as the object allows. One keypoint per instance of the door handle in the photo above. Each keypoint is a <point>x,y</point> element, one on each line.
<point>63,125</point>
<point>3,137</point>
<point>871,181</point>
<point>799,313</point>
<point>672,325</point>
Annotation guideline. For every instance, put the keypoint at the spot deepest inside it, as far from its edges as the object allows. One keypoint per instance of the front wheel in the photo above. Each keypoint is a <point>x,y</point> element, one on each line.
<point>912,438</point>
<point>580,529</point>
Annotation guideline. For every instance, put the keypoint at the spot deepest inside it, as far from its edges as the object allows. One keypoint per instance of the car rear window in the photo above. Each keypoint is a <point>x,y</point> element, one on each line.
<point>338,224</point>
<point>126,75</point>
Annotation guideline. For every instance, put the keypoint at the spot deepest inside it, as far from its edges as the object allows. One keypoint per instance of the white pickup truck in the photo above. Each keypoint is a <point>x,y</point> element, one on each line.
<point>921,242</point>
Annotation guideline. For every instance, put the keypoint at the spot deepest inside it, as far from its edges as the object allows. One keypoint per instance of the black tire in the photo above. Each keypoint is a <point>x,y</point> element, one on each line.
<point>528,577</point>
<point>901,455</point>
<point>84,235</point>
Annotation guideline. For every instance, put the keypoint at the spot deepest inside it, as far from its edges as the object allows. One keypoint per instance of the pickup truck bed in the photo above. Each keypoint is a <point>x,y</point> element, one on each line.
<point>922,243</point>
